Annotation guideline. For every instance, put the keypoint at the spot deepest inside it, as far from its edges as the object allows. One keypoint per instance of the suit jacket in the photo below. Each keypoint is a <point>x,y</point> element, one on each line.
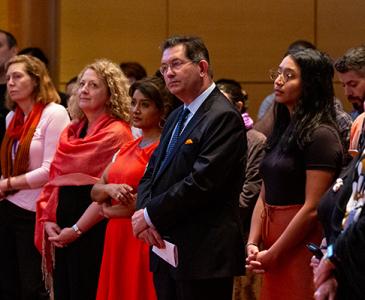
<point>193,200</point>
<point>256,142</point>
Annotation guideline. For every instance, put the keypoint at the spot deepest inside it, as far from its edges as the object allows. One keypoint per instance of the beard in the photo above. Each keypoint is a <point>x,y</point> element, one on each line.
<point>357,103</point>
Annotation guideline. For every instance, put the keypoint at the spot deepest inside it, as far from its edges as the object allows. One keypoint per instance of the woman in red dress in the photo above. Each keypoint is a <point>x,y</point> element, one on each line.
<point>124,271</point>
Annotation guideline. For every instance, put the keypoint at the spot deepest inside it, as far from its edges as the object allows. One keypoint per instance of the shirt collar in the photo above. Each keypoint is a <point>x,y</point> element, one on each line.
<point>198,101</point>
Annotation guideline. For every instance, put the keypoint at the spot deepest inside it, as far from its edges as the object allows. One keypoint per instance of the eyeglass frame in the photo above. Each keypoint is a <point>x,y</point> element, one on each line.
<point>286,75</point>
<point>174,66</point>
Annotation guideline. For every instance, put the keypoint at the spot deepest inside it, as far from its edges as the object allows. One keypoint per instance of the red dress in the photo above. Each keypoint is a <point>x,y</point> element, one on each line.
<point>124,270</point>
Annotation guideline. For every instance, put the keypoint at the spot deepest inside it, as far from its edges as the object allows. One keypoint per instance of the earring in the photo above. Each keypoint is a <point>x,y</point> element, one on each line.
<point>162,122</point>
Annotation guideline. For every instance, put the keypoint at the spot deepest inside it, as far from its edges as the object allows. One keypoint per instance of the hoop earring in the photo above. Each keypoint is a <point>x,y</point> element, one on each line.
<point>162,122</point>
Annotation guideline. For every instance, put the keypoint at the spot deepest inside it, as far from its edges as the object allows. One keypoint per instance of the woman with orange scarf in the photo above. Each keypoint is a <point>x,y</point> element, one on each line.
<point>64,234</point>
<point>34,125</point>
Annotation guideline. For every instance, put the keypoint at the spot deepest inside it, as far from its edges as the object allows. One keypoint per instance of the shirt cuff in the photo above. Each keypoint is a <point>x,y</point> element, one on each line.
<point>147,218</point>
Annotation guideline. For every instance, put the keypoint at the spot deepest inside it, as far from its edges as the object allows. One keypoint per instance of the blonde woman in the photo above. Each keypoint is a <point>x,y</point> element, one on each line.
<point>100,108</point>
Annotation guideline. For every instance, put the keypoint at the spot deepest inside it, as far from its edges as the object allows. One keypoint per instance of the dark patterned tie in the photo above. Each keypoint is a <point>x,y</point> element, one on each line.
<point>175,137</point>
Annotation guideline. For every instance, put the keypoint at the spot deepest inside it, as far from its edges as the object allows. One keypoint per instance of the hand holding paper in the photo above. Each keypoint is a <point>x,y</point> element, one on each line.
<point>169,253</point>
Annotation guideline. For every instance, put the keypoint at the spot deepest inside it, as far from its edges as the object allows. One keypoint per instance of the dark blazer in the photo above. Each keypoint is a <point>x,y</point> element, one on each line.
<point>193,201</point>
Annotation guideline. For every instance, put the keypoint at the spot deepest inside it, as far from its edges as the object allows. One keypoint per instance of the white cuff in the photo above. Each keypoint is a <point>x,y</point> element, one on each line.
<point>147,218</point>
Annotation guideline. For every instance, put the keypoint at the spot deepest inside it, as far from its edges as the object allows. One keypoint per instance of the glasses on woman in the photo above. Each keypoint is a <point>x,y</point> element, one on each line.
<point>174,66</point>
<point>286,75</point>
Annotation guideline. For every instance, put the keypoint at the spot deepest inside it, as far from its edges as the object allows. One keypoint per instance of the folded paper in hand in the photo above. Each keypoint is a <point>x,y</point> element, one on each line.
<point>169,253</point>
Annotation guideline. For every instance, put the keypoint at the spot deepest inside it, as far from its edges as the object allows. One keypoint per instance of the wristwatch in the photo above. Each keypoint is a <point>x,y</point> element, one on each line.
<point>331,256</point>
<point>76,229</point>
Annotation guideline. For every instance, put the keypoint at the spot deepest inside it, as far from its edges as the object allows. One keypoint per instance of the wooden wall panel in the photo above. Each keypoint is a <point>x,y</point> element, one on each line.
<point>118,30</point>
<point>245,38</point>
<point>34,23</point>
<point>4,15</point>
<point>270,26</point>
<point>340,25</point>
<point>256,93</point>
<point>220,27</point>
<point>248,36</point>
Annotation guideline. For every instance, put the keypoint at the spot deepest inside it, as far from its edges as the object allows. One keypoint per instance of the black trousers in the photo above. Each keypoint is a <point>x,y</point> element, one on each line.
<point>20,261</point>
<point>168,288</point>
<point>77,267</point>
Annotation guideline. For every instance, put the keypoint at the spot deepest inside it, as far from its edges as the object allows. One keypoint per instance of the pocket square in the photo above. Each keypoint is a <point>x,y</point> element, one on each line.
<point>188,141</point>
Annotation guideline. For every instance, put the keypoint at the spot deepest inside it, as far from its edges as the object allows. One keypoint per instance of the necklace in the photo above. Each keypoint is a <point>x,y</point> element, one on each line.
<point>148,141</point>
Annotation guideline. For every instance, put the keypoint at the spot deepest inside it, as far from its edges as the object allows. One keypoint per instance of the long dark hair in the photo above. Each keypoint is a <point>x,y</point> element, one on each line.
<point>315,105</point>
<point>154,88</point>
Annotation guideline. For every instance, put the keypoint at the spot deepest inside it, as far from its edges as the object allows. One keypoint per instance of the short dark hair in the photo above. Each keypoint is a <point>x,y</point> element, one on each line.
<point>195,49</point>
<point>71,80</point>
<point>233,88</point>
<point>352,60</point>
<point>10,38</point>
<point>133,69</point>
<point>299,45</point>
<point>36,52</point>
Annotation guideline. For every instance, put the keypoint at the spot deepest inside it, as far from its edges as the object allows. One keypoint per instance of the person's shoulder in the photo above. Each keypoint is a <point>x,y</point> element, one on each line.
<point>54,107</point>
<point>256,136</point>
<point>219,103</point>
<point>53,111</point>
<point>342,115</point>
<point>9,116</point>
<point>325,132</point>
<point>129,144</point>
<point>118,126</point>
<point>359,120</point>
<point>114,122</point>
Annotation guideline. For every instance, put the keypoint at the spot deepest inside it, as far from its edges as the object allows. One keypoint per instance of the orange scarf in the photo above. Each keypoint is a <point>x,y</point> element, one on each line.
<point>21,132</point>
<point>77,161</point>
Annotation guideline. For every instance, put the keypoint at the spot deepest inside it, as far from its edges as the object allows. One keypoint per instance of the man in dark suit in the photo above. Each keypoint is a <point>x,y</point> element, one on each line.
<point>189,193</point>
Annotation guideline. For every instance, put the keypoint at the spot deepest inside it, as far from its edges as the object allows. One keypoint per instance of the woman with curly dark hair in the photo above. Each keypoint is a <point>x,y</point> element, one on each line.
<point>304,154</point>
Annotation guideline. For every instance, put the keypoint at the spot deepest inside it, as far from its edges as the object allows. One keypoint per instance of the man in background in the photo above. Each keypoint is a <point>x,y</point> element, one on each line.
<point>8,49</point>
<point>351,72</point>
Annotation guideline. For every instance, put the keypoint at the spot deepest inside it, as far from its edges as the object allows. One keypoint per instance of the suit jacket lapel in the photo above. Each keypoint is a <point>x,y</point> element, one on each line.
<point>165,142</point>
<point>197,118</point>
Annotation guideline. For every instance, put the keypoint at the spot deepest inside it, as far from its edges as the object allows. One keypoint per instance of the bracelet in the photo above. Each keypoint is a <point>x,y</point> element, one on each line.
<point>76,229</point>
<point>251,243</point>
<point>8,184</point>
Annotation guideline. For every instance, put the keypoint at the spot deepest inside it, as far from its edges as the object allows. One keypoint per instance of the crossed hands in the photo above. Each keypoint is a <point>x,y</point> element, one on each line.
<point>123,193</point>
<point>144,232</point>
<point>125,197</point>
<point>324,281</point>
<point>60,237</point>
<point>258,261</point>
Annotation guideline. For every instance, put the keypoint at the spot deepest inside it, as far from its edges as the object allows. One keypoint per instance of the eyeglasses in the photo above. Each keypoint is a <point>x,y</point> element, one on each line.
<point>286,75</point>
<point>174,66</point>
